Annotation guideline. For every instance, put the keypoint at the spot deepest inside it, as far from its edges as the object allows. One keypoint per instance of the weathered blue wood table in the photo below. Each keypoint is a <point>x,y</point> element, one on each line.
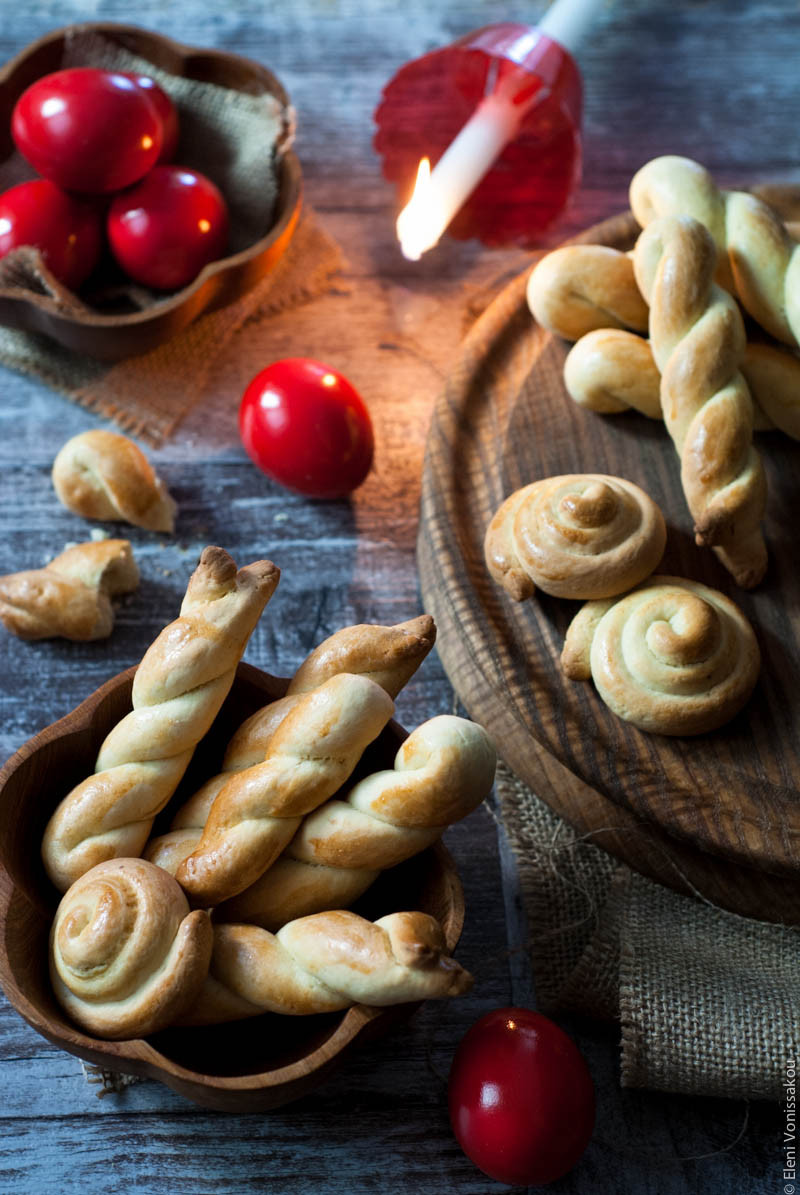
<point>717,81</point>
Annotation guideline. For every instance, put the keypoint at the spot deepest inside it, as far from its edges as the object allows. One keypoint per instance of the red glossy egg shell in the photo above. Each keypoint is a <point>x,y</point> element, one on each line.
<point>65,228</point>
<point>521,1097</point>
<point>304,424</point>
<point>87,130</point>
<point>164,229</point>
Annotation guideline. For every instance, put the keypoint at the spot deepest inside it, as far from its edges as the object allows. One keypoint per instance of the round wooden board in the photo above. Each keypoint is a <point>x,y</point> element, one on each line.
<point>719,813</point>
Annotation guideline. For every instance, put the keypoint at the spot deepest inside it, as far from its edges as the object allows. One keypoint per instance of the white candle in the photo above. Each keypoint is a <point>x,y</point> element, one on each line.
<point>566,21</point>
<point>439,195</point>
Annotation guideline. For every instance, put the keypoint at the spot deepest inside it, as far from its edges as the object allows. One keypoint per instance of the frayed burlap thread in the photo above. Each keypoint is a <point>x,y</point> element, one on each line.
<point>708,1001</point>
<point>106,1081</point>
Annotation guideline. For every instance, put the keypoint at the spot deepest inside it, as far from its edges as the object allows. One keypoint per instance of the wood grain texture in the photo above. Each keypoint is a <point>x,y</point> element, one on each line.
<point>505,420</point>
<point>715,80</point>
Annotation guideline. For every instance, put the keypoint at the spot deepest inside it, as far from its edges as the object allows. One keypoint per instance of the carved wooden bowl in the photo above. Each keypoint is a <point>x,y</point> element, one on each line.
<point>101,331</point>
<point>244,1066</point>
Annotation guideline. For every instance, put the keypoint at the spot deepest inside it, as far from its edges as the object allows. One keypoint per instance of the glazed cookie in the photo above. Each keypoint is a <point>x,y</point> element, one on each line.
<point>179,687</point>
<point>672,657</point>
<point>126,953</point>
<point>104,475</point>
<point>580,535</point>
<point>326,962</point>
<point>698,340</point>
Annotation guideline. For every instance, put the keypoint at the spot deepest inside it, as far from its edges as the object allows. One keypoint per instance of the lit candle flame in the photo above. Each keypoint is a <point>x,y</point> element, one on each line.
<point>439,194</point>
<point>419,225</point>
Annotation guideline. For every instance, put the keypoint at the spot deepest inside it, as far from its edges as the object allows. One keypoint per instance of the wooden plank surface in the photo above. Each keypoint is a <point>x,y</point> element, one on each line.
<point>714,80</point>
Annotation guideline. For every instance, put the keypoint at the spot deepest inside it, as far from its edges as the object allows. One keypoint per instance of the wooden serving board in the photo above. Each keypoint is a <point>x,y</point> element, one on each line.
<point>719,813</point>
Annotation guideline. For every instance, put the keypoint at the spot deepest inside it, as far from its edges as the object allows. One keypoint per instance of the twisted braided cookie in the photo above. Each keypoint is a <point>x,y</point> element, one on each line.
<point>325,963</point>
<point>389,656</point>
<point>71,596</point>
<point>580,535</point>
<point>178,689</point>
<point>673,657</point>
<point>610,370</point>
<point>443,771</point>
<point>578,288</point>
<point>757,258</point>
<point>103,475</point>
<point>255,812</point>
<point>698,342</point>
<point>126,954</point>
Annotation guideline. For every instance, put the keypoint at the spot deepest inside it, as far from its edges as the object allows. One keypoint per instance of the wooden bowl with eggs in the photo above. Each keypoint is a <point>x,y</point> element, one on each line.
<point>110,319</point>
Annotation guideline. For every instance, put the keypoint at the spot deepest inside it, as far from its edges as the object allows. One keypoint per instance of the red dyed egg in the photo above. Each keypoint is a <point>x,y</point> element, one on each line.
<point>87,129</point>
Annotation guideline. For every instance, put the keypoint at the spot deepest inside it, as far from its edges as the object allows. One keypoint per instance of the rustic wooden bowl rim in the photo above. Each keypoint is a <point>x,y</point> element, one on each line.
<point>140,1056</point>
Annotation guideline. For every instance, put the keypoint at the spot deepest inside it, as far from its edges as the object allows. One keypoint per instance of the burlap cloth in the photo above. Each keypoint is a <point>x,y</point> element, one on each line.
<point>234,138</point>
<point>708,1002</point>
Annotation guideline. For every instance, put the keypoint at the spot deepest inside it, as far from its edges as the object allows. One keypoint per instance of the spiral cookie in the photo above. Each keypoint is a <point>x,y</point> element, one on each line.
<point>126,954</point>
<point>580,535</point>
<point>672,657</point>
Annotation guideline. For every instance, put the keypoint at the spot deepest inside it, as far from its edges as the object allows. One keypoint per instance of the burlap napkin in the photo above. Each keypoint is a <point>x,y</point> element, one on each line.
<point>708,1002</point>
<point>148,395</point>
<point>234,138</point>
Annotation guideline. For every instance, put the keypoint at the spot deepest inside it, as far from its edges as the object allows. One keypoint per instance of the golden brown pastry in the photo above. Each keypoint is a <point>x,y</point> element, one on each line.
<point>698,341</point>
<point>178,689</point>
<point>610,370</point>
<point>773,377</point>
<point>578,288</point>
<point>387,655</point>
<point>70,597</point>
<point>580,535</point>
<point>325,963</point>
<point>443,771</point>
<point>758,260</point>
<point>255,812</point>
<point>104,475</point>
<point>673,657</point>
<point>126,955</point>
